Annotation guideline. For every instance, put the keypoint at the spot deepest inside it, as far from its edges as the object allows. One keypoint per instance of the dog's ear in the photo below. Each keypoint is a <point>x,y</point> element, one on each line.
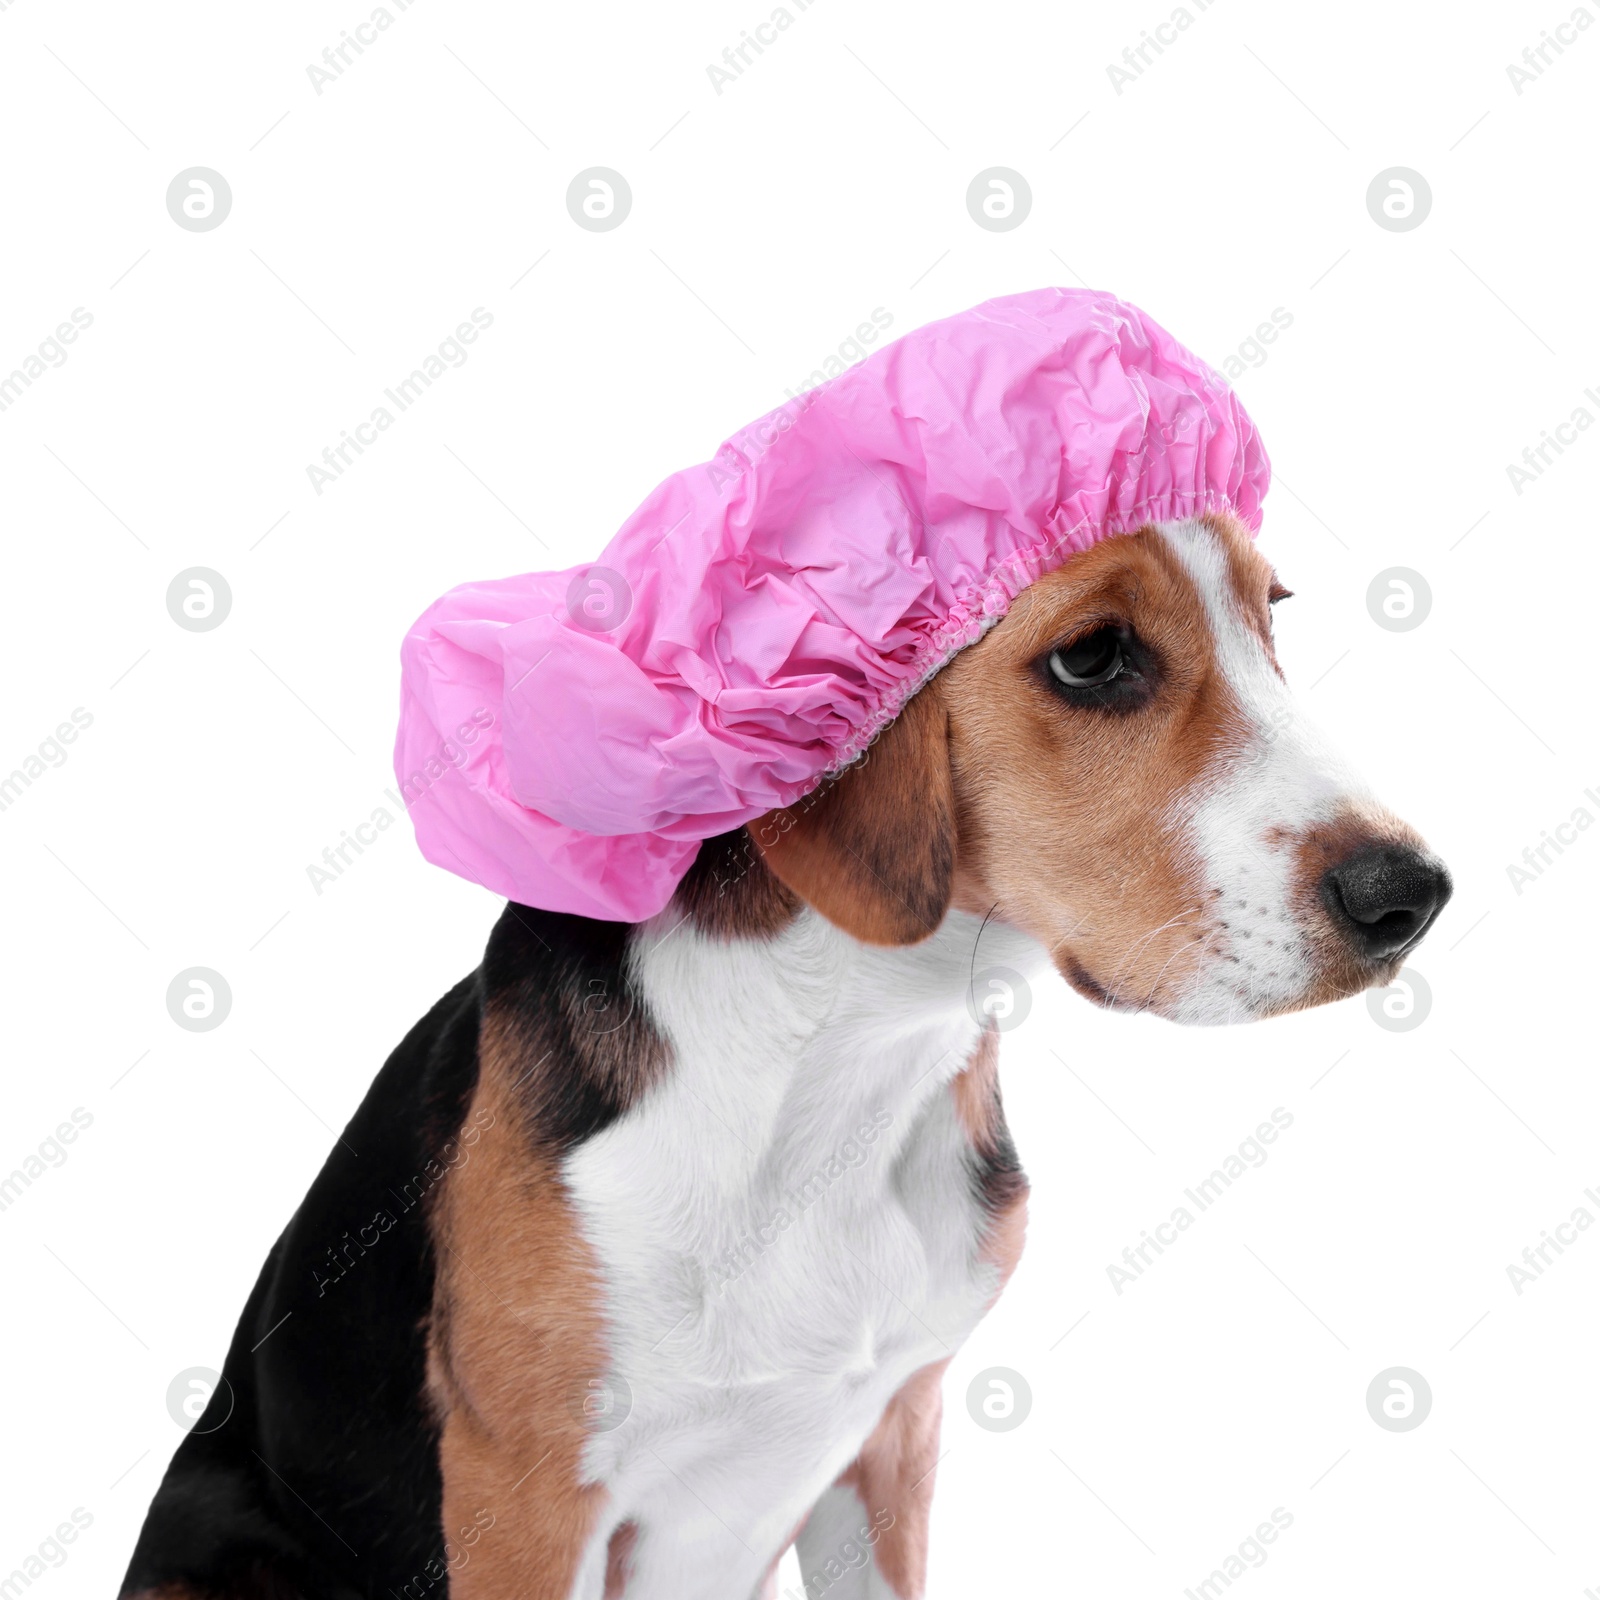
<point>874,849</point>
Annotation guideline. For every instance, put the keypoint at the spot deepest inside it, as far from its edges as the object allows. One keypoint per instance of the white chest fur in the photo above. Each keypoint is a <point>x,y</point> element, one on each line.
<point>787,1229</point>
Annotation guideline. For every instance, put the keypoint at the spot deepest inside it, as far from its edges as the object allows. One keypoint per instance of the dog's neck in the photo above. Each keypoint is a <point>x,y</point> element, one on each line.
<point>809,1010</point>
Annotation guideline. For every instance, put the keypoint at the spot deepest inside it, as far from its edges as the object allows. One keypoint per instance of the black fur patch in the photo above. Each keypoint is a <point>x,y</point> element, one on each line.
<point>556,987</point>
<point>730,893</point>
<point>997,1176</point>
<point>323,1483</point>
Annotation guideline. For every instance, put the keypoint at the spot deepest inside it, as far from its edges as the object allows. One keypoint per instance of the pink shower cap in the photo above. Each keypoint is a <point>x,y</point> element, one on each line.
<point>567,739</point>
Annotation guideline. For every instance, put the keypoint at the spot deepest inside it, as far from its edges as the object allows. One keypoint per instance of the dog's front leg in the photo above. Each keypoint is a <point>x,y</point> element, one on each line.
<point>867,1537</point>
<point>515,1357</point>
<point>511,1533</point>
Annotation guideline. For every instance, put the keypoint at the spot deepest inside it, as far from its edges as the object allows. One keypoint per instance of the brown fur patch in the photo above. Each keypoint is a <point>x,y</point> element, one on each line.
<point>976,1092</point>
<point>1001,1181</point>
<point>895,1471</point>
<point>516,1342</point>
<point>873,850</point>
<point>619,1560</point>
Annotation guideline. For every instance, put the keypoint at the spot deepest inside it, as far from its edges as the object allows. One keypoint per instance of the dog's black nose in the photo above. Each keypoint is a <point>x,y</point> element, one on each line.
<point>1384,898</point>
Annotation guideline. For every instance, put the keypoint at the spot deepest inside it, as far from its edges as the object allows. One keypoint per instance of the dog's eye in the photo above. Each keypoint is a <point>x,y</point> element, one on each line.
<point>1090,662</point>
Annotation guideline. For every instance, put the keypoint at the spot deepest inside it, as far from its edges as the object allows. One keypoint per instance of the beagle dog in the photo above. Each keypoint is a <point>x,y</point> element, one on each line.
<point>644,1256</point>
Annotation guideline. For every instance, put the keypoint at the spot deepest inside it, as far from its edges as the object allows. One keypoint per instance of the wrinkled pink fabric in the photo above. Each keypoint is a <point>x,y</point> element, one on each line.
<point>567,740</point>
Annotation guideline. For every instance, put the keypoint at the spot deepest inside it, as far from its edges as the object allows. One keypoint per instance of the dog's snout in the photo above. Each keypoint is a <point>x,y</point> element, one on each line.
<point>1385,897</point>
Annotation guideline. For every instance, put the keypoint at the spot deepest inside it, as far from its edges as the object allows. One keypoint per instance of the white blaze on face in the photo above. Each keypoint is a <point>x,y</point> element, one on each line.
<point>1246,820</point>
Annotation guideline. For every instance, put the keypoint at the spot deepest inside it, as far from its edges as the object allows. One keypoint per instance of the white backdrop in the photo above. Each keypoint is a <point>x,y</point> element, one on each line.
<point>1223,181</point>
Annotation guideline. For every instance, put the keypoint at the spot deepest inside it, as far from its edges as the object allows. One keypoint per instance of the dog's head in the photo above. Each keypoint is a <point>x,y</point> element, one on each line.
<point>1118,770</point>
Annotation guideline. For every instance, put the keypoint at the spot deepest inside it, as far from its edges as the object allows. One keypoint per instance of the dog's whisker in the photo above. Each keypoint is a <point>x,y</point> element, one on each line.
<point>1155,983</point>
<point>1125,970</point>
